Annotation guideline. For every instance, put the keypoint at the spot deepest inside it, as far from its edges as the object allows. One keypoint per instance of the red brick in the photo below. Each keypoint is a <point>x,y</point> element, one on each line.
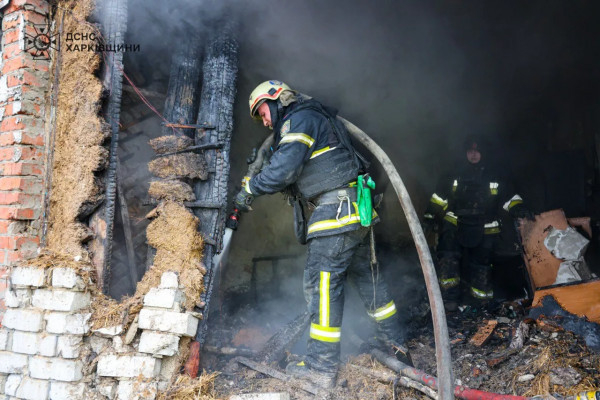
<point>24,62</point>
<point>13,255</point>
<point>14,80</point>
<point>3,269</point>
<point>34,16</point>
<point>16,5</point>
<point>9,23</point>
<point>27,153</point>
<point>20,168</point>
<point>8,242</point>
<point>26,241</point>
<point>11,50</point>
<point>12,123</point>
<point>11,36</point>
<point>24,199</point>
<point>7,153</point>
<point>10,183</point>
<point>3,230</point>
<point>31,154</point>
<point>16,213</point>
<point>31,79</point>
<point>7,139</point>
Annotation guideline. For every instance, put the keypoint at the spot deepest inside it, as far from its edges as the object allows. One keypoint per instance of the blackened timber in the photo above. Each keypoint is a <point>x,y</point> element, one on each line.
<point>181,104</point>
<point>196,149</point>
<point>126,221</point>
<point>190,204</point>
<point>220,70</point>
<point>275,348</point>
<point>113,18</point>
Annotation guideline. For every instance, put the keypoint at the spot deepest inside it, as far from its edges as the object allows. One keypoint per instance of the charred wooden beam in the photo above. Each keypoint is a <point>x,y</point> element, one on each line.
<point>198,148</point>
<point>127,231</point>
<point>284,339</point>
<point>216,108</point>
<point>113,18</point>
<point>272,372</point>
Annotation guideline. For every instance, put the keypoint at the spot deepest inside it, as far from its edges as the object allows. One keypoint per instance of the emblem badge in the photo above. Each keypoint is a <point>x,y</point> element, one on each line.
<point>285,128</point>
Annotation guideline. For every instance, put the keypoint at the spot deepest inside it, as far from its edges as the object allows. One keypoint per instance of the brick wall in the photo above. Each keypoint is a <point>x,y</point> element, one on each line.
<point>24,82</point>
<point>47,338</point>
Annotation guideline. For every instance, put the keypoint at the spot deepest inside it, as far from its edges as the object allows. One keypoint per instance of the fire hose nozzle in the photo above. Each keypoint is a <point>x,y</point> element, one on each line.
<point>233,219</point>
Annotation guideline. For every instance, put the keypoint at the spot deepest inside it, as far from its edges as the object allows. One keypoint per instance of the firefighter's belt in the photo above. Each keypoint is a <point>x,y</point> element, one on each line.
<point>334,196</point>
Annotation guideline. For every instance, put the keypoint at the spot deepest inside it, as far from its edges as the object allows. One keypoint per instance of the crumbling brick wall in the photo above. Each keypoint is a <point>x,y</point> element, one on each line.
<point>49,349</point>
<point>24,83</point>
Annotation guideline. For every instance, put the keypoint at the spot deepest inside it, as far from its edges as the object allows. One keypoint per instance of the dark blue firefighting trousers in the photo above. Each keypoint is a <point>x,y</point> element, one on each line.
<point>332,259</point>
<point>450,254</point>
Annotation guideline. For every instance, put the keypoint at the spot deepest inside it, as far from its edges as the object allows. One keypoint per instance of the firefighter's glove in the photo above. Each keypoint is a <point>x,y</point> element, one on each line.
<point>522,212</point>
<point>243,200</point>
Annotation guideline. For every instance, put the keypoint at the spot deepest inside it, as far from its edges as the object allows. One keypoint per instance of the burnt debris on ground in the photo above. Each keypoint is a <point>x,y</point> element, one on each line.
<point>520,356</point>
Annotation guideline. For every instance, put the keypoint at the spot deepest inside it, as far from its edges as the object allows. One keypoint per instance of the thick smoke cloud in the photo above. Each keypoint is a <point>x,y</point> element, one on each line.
<point>417,76</point>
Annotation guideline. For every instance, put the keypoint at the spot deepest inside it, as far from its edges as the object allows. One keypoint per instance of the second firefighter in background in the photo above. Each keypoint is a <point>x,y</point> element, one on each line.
<point>467,205</point>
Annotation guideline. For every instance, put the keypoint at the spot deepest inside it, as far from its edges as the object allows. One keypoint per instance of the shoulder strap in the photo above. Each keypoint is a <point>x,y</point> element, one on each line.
<point>338,128</point>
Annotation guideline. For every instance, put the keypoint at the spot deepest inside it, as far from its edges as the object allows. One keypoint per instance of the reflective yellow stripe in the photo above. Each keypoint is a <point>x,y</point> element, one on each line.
<point>384,312</point>
<point>333,224</point>
<point>325,333</point>
<point>491,228</point>
<point>324,298</point>
<point>246,184</point>
<point>297,137</point>
<point>494,188</point>
<point>328,224</point>
<point>435,199</point>
<point>450,217</point>
<point>587,395</point>
<point>481,294</point>
<point>454,185</point>
<point>323,150</point>
<point>448,283</point>
<point>516,199</point>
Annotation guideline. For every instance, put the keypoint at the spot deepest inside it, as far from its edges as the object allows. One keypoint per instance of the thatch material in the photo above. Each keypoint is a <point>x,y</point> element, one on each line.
<point>186,388</point>
<point>170,143</point>
<point>171,190</point>
<point>186,165</point>
<point>79,135</point>
<point>174,235</point>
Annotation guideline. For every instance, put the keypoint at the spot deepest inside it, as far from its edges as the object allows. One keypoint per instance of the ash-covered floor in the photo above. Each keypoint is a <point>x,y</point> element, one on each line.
<point>550,361</point>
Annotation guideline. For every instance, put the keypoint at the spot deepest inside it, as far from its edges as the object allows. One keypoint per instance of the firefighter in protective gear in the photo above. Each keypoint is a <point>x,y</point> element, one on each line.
<point>468,206</point>
<point>315,161</point>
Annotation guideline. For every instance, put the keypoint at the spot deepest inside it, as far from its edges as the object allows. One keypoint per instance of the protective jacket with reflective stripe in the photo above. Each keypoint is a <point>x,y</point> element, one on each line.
<point>473,195</point>
<point>309,156</point>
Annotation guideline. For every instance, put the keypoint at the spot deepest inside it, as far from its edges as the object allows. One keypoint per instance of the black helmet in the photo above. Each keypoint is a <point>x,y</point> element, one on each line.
<point>475,142</point>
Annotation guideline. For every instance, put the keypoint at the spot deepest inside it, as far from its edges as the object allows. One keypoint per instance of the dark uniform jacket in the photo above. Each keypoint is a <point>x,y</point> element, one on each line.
<point>309,156</point>
<point>471,200</point>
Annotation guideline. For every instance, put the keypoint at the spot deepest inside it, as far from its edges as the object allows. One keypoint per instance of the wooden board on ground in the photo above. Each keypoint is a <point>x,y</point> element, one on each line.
<point>483,333</point>
<point>582,299</point>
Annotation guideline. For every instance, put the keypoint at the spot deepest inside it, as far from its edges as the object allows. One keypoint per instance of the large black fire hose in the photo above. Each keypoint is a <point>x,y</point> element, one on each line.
<point>440,329</point>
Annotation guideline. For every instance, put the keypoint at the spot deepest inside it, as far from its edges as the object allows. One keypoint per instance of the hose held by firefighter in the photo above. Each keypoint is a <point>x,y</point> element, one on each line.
<point>467,208</point>
<point>315,164</point>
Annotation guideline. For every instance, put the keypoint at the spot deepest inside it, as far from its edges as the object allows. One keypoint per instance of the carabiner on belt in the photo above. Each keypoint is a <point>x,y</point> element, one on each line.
<point>343,197</point>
